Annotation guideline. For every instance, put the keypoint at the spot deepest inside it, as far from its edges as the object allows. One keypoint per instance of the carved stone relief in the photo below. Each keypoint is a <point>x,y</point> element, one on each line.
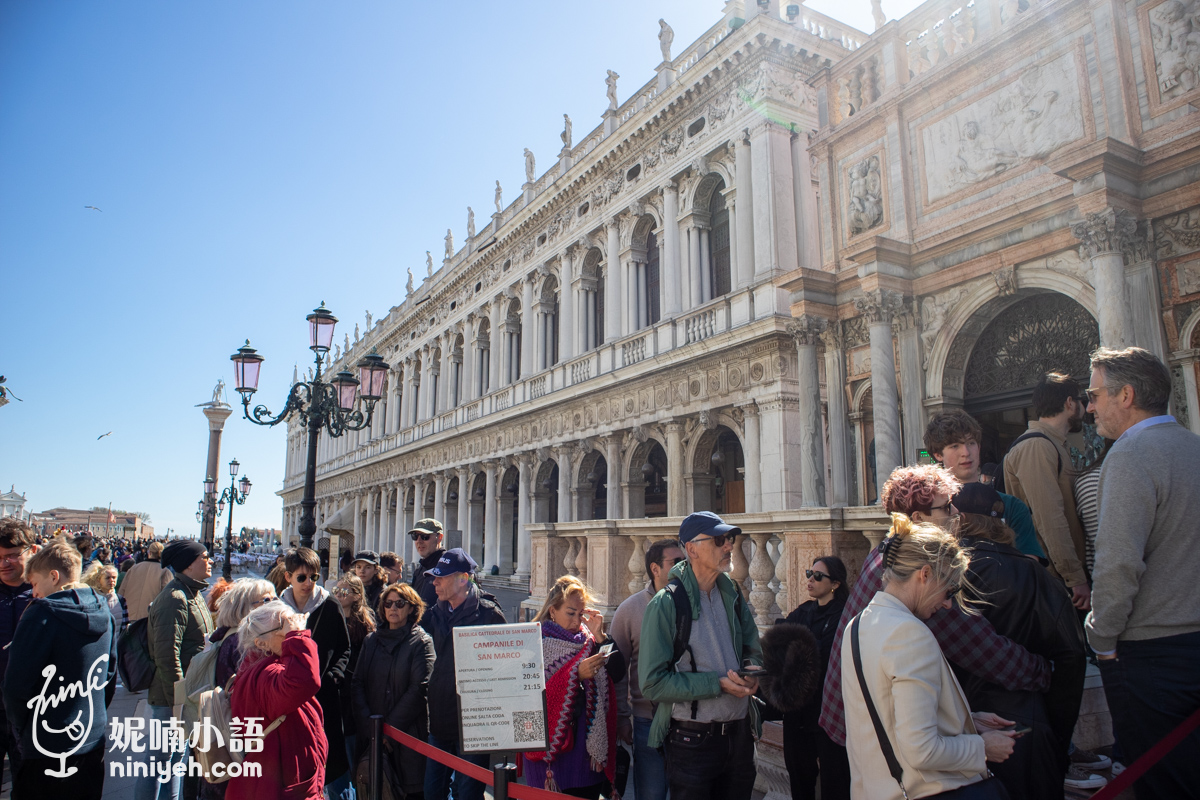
<point>865,207</point>
<point>1187,275</point>
<point>1175,38</point>
<point>1178,234</point>
<point>1027,119</point>
<point>1107,231</point>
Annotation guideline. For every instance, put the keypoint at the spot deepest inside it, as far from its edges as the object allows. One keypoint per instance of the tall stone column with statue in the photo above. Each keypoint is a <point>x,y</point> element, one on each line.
<point>216,411</point>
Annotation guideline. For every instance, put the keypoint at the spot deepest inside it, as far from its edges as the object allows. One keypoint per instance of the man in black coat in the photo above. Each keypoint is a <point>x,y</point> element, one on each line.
<point>427,541</point>
<point>460,603</point>
<point>329,632</point>
<point>16,545</point>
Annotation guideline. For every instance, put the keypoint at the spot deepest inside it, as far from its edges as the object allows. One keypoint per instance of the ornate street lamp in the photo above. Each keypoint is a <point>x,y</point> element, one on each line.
<point>330,405</point>
<point>232,496</point>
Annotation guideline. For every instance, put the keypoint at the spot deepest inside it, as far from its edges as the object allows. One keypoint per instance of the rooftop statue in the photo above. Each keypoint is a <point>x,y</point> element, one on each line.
<point>666,35</point>
<point>530,166</point>
<point>611,83</point>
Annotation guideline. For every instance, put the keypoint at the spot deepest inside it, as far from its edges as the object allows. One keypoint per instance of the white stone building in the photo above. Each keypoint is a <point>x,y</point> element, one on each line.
<point>748,287</point>
<point>12,504</point>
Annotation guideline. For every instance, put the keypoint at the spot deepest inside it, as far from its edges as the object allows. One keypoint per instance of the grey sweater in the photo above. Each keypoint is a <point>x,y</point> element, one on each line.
<point>1147,559</point>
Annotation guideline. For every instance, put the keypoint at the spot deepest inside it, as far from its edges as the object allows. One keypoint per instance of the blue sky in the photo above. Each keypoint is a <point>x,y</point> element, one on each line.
<point>251,160</point>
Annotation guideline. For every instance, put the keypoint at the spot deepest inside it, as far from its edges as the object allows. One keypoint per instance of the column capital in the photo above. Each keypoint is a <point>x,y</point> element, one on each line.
<point>806,330</point>
<point>749,409</point>
<point>879,306</point>
<point>905,318</point>
<point>832,337</point>
<point>1109,231</point>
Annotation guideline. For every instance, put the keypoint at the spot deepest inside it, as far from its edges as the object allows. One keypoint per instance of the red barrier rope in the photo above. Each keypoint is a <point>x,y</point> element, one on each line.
<point>1151,757</point>
<point>475,771</point>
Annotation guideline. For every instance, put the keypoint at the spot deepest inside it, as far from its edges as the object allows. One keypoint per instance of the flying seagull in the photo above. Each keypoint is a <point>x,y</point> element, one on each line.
<point>101,436</point>
<point>93,208</point>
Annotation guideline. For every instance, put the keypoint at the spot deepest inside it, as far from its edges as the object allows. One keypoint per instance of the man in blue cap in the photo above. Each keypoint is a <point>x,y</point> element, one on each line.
<point>705,719</point>
<point>460,603</point>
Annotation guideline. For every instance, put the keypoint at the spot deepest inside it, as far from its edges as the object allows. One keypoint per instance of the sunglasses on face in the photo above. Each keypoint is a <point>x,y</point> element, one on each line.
<point>424,537</point>
<point>720,539</point>
<point>340,592</point>
<point>951,591</point>
<point>395,603</point>
<point>816,575</point>
<point>302,577</point>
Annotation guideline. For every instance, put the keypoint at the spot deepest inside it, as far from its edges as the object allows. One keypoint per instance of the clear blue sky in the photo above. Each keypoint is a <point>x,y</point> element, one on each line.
<point>251,160</point>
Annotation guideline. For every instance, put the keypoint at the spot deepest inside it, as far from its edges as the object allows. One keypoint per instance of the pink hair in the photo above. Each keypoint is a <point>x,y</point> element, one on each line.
<point>910,489</point>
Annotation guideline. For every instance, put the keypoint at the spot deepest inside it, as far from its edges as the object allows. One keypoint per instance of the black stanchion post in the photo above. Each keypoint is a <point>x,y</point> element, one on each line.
<point>375,791</point>
<point>502,773</point>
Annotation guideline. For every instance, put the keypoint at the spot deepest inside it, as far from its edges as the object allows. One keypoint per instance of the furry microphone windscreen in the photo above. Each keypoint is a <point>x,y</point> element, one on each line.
<point>791,660</point>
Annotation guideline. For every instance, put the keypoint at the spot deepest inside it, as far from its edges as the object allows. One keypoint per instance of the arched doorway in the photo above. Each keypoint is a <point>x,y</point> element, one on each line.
<point>545,492</point>
<point>647,481</point>
<point>718,473</point>
<point>1042,333</point>
<point>592,487</point>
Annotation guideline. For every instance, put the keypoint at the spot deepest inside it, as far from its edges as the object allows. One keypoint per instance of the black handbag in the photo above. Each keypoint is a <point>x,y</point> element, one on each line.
<point>133,656</point>
<point>990,788</point>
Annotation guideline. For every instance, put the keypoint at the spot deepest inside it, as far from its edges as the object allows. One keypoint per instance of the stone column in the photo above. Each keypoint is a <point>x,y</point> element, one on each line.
<point>676,502</point>
<point>495,377</point>
<point>908,340</point>
<point>389,520</point>
<point>566,304</point>
<point>464,507</point>
<point>562,456</point>
<point>744,219</point>
<point>838,421</point>
<point>407,518</point>
<point>878,307</point>
<point>439,497</point>
<point>670,259</point>
<point>614,298</point>
<point>371,540</point>
<point>696,295</point>
<point>752,454</point>
<point>809,247</point>
<point>1103,236</point>
<point>806,331</point>
<point>704,272</point>
<point>528,334</point>
<point>524,517</point>
<point>360,535</point>
<point>469,392</point>
<point>1141,287</point>
<point>612,455</point>
<point>391,415</point>
<point>774,200</point>
<point>491,537</point>
<point>445,400</point>
<point>216,413</point>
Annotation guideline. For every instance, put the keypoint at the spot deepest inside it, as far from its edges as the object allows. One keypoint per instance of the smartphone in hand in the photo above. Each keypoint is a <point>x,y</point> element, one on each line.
<point>1020,729</point>
<point>607,649</point>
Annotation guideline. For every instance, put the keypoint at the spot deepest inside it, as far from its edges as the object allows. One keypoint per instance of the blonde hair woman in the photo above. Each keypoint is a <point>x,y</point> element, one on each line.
<point>103,578</point>
<point>582,725</point>
<point>927,740</point>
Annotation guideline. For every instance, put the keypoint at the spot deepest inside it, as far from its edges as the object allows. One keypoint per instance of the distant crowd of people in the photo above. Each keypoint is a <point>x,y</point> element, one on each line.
<point>951,663</point>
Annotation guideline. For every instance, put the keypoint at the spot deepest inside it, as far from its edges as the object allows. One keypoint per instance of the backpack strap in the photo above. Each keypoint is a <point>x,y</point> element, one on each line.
<point>683,630</point>
<point>1037,435</point>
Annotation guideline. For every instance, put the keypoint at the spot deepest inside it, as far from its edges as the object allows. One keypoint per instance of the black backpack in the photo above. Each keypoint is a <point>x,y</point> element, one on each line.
<point>683,626</point>
<point>133,656</point>
<point>998,480</point>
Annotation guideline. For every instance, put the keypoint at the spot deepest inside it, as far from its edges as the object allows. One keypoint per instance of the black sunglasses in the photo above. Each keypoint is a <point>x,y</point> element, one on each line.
<point>816,575</point>
<point>720,539</point>
<point>395,603</point>
<point>952,590</point>
<point>424,537</point>
<point>302,577</point>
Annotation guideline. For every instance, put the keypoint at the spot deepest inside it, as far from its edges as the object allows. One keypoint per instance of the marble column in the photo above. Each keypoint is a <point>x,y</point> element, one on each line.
<point>562,457</point>
<point>445,399</point>
<point>670,260</point>
<point>752,455</point>
<point>360,538</point>
<point>566,304</point>
<point>612,455</point>
<point>614,297</point>
<point>464,508</point>
<point>407,518</point>
<point>439,497</point>
<point>806,331</point>
<point>525,463</point>
<point>676,501</point>
<point>744,219</point>
<point>878,307</point>
<point>694,278</point>
<point>1142,290</point>
<point>469,378</point>
<point>774,200</point>
<point>406,395</point>
<point>495,376</point>
<point>389,520</point>
<point>705,270</point>
<point>908,343</point>
<point>370,542</point>
<point>809,247</point>
<point>1103,236</point>
<point>528,332</point>
<point>491,537</point>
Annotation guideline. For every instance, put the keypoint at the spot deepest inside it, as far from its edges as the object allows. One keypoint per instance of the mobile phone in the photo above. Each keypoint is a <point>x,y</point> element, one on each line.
<point>750,672</point>
<point>1020,729</point>
<point>606,649</point>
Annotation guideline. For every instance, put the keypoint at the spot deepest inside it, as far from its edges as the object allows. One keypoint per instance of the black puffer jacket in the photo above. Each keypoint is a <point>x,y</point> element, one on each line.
<point>1025,603</point>
<point>479,608</point>
<point>392,679</point>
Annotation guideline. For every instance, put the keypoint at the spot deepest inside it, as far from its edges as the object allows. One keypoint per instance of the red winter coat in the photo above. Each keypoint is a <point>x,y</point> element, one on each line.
<point>293,755</point>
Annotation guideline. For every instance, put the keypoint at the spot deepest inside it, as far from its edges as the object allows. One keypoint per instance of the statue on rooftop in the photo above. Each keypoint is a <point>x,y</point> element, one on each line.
<point>877,12</point>
<point>347,350</point>
<point>470,223</point>
<point>530,166</point>
<point>218,392</point>
<point>499,202</point>
<point>611,83</point>
<point>449,245</point>
<point>356,333</point>
<point>368,319</point>
<point>408,287</point>
<point>428,264</point>
<point>566,134</point>
<point>666,35</point>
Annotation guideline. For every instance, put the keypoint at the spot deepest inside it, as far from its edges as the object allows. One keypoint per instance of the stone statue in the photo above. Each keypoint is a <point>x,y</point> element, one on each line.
<point>428,264</point>
<point>347,348</point>
<point>530,166</point>
<point>611,91</point>
<point>408,287</point>
<point>218,391</point>
<point>566,134</point>
<point>877,12</point>
<point>666,35</point>
<point>356,333</point>
<point>1175,35</point>
<point>449,245</point>
<point>866,196</point>
<point>368,319</point>
<point>499,201</point>
<point>470,223</point>
<point>337,352</point>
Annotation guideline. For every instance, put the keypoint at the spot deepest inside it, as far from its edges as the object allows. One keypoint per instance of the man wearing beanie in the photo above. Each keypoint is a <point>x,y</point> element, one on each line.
<point>178,627</point>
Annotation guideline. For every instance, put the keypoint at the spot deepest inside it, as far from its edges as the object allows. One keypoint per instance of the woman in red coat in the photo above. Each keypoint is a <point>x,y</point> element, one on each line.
<point>279,676</point>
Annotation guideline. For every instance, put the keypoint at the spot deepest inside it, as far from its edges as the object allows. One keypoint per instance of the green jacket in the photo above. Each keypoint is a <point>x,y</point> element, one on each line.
<point>661,684</point>
<point>178,626</point>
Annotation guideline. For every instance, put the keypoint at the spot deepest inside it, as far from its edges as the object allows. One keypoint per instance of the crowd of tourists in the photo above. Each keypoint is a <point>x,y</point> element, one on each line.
<point>951,663</point>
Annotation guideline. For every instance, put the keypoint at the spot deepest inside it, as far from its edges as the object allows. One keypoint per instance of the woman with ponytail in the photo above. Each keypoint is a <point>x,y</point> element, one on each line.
<point>914,733</point>
<point>582,718</point>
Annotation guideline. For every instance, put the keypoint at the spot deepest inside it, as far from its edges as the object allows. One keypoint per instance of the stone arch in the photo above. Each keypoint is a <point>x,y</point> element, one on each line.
<point>1189,332</point>
<point>545,492</point>
<point>591,286</point>
<point>591,492</point>
<point>646,471</point>
<point>717,484</point>
<point>649,221</point>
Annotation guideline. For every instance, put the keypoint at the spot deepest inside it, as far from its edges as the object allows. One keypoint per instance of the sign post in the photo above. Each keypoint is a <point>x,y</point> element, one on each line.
<point>501,686</point>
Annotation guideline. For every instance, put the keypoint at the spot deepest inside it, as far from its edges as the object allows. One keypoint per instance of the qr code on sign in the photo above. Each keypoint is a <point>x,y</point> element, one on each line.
<point>528,726</point>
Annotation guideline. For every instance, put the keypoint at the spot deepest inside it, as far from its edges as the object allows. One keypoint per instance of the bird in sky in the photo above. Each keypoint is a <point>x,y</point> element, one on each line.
<point>101,436</point>
<point>93,208</point>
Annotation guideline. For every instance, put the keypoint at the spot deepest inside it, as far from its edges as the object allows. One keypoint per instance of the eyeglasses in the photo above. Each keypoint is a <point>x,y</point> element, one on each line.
<point>945,507</point>
<point>273,630</point>
<point>14,557</point>
<point>340,592</point>
<point>424,537</point>
<point>951,591</point>
<point>395,603</point>
<point>1092,394</point>
<point>302,577</point>
<point>816,575</point>
<point>719,540</point>
<point>265,600</point>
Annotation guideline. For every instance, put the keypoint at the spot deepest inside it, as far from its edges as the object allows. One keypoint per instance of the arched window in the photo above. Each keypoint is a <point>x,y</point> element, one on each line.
<point>652,279</point>
<point>719,243</point>
<point>547,321</point>
<point>512,340</point>
<point>644,275</point>
<point>483,353</point>
<point>591,302</point>
<point>456,373</point>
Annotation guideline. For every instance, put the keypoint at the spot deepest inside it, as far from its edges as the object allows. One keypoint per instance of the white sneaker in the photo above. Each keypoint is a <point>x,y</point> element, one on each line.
<point>1089,760</point>
<point>1117,768</point>
<point>1080,778</point>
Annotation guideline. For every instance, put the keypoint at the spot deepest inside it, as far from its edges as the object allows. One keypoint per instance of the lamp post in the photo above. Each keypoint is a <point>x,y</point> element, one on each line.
<point>331,405</point>
<point>232,496</point>
<point>206,509</point>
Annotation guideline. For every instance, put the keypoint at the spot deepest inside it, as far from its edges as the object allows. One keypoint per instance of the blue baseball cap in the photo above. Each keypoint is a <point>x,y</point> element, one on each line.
<point>704,523</point>
<point>453,561</point>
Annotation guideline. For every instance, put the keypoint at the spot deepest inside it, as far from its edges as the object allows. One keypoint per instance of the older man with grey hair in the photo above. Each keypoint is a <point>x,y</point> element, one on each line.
<point>1145,620</point>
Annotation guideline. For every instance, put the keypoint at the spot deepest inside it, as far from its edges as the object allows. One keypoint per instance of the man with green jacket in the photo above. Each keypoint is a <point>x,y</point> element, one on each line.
<point>704,718</point>
<point>178,626</point>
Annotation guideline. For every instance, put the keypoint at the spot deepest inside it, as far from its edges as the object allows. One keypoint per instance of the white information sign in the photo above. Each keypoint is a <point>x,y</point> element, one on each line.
<point>501,687</point>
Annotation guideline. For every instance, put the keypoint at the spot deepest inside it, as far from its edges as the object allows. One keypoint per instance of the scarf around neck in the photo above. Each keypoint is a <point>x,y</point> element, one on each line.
<point>563,651</point>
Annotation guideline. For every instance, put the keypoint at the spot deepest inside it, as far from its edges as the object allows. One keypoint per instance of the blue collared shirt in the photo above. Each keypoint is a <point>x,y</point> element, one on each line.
<point>1146,423</point>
